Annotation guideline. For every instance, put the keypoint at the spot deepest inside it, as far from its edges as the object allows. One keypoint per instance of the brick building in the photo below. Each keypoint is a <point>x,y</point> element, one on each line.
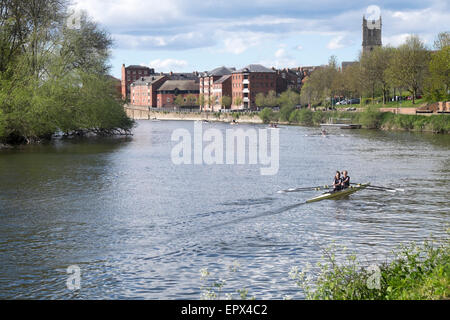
<point>246,83</point>
<point>143,92</point>
<point>207,81</point>
<point>171,89</point>
<point>289,79</point>
<point>221,88</point>
<point>132,73</point>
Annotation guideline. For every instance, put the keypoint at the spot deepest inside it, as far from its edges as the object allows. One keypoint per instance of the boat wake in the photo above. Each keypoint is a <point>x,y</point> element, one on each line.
<point>255,216</point>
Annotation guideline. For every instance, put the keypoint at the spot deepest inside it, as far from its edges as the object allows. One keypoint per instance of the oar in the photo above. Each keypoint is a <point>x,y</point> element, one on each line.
<point>382,188</point>
<point>318,188</point>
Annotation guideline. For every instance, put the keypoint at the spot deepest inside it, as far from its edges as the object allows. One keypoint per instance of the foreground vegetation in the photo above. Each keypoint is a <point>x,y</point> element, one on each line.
<point>53,74</point>
<point>371,118</point>
<point>417,272</point>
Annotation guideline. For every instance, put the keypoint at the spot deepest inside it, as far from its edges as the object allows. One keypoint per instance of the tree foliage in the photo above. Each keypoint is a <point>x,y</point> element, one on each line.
<point>411,66</point>
<point>53,77</point>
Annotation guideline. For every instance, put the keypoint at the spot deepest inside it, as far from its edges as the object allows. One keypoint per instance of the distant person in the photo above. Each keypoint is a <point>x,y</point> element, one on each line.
<point>337,184</point>
<point>345,184</point>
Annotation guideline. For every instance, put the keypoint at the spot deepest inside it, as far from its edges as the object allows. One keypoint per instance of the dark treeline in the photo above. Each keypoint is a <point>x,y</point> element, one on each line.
<point>53,74</point>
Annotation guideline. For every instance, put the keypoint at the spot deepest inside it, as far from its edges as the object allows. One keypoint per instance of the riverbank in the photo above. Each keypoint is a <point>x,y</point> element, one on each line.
<point>143,113</point>
<point>369,119</point>
<point>418,272</point>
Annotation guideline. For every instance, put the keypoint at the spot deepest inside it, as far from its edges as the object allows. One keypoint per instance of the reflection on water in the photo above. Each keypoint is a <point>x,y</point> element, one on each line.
<point>141,227</point>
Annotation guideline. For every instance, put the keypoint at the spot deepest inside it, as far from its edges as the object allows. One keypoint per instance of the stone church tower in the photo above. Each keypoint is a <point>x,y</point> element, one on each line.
<point>371,34</point>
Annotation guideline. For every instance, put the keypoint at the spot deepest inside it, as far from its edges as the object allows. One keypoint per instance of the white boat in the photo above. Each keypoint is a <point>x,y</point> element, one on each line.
<point>339,194</point>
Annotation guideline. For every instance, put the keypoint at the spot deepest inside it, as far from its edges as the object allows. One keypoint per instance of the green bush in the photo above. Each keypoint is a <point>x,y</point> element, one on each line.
<point>285,113</point>
<point>417,272</point>
<point>267,115</point>
<point>302,116</point>
<point>370,118</point>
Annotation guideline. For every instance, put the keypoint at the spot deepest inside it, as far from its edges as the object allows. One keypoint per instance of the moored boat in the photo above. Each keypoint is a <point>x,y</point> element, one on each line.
<point>339,194</point>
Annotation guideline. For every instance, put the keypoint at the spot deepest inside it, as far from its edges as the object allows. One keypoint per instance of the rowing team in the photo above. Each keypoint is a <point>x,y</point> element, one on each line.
<point>341,181</point>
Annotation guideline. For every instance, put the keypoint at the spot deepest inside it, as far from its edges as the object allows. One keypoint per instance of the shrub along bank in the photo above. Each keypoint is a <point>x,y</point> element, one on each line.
<point>371,118</point>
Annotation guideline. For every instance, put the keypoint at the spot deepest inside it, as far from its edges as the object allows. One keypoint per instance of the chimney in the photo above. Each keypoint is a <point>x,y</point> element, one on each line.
<point>171,73</point>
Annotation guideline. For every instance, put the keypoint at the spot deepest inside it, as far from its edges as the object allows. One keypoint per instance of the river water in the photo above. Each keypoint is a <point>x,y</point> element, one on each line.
<point>140,227</point>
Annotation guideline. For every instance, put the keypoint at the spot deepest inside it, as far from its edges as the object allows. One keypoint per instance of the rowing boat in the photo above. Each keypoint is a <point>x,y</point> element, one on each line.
<point>339,194</point>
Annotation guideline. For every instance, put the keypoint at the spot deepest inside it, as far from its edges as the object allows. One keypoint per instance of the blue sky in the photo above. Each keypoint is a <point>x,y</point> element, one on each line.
<point>199,35</point>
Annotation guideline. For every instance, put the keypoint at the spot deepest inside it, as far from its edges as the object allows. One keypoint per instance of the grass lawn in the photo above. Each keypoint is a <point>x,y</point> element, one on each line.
<point>399,104</point>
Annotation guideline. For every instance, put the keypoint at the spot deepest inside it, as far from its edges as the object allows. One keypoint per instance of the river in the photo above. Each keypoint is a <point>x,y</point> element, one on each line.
<point>140,227</point>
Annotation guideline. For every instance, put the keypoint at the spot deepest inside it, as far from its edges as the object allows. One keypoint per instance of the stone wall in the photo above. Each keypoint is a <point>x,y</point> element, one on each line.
<point>143,113</point>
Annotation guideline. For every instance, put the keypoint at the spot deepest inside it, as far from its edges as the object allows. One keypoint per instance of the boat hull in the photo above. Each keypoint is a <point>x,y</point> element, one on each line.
<point>338,194</point>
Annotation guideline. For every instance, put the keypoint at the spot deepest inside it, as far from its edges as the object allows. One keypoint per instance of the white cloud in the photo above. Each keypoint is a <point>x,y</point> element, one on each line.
<point>336,43</point>
<point>395,40</point>
<point>238,43</point>
<point>280,53</point>
<point>282,59</point>
<point>299,47</point>
<point>130,12</point>
<point>167,65</point>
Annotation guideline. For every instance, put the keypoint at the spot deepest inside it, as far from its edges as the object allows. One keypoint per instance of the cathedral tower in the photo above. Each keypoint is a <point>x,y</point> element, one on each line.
<point>371,34</point>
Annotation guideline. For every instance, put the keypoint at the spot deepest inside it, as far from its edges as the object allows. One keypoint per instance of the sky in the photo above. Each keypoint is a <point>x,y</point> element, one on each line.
<point>200,35</point>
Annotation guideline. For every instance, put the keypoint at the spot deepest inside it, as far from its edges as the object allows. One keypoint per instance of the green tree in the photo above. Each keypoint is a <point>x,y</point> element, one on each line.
<point>260,100</point>
<point>437,84</point>
<point>442,41</point>
<point>374,66</point>
<point>238,101</point>
<point>271,99</point>
<point>179,100</point>
<point>53,78</point>
<point>225,102</point>
<point>201,101</point>
<point>267,115</point>
<point>409,66</point>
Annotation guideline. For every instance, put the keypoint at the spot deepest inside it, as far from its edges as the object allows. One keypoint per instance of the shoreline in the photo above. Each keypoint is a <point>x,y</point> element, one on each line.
<point>383,121</point>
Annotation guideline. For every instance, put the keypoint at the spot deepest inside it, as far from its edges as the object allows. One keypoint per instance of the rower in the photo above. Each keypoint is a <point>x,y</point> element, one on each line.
<point>345,184</point>
<point>337,182</point>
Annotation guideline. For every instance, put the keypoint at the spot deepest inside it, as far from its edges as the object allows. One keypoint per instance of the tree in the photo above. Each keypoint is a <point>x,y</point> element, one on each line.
<point>271,99</point>
<point>437,84</point>
<point>442,41</point>
<point>53,78</point>
<point>238,101</point>
<point>374,66</point>
<point>409,66</point>
<point>260,100</point>
<point>267,115</point>
<point>179,100</point>
<point>225,102</point>
<point>201,101</point>
<point>191,100</point>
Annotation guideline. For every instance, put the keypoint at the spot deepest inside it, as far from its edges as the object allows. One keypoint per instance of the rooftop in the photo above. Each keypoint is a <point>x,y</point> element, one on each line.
<point>136,67</point>
<point>182,85</point>
<point>220,71</point>
<point>147,80</point>
<point>254,68</point>
<point>223,79</point>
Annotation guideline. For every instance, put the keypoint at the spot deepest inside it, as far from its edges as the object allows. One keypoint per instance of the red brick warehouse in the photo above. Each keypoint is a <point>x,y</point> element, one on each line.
<point>131,74</point>
<point>248,82</point>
